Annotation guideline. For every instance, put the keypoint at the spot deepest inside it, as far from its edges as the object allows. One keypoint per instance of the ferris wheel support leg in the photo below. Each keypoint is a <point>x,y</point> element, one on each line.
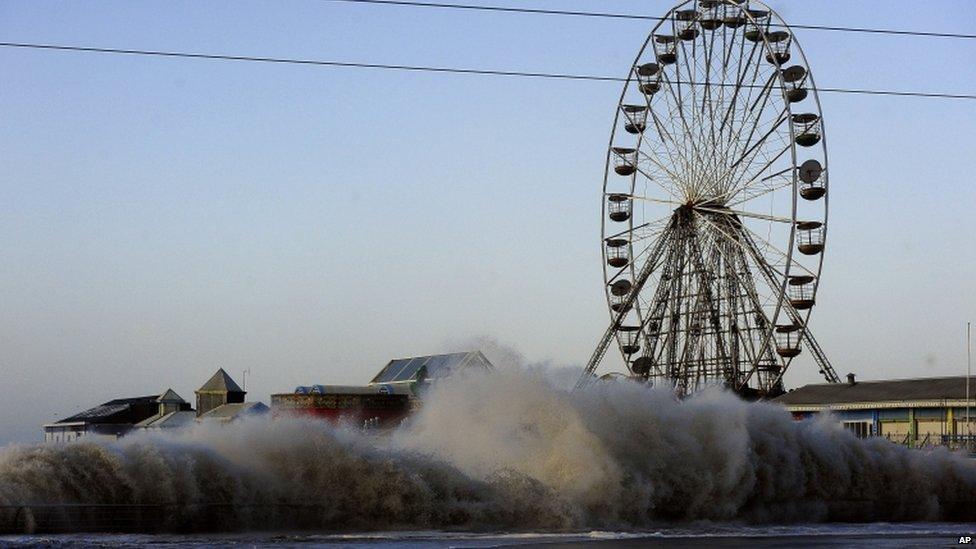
<point>597,356</point>
<point>657,310</point>
<point>712,308</point>
<point>645,274</point>
<point>764,349</point>
<point>811,343</point>
<point>821,359</point>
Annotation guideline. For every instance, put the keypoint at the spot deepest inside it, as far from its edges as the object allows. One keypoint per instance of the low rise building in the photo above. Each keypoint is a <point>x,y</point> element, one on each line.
<point>415,371</point>
<point>110,420</point>
<point>219,399</point>
<point>173,412</point>
<point>915,412</point>
<point>392,395</point>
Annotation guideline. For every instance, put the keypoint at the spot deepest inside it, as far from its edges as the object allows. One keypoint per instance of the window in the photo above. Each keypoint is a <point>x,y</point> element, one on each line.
<point>861,429</point>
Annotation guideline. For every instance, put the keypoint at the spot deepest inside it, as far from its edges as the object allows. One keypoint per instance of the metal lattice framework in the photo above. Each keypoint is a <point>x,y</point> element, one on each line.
<point>715,203</point>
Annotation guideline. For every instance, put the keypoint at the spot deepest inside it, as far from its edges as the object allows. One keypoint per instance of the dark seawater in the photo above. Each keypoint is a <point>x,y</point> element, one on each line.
<point>698,535</point>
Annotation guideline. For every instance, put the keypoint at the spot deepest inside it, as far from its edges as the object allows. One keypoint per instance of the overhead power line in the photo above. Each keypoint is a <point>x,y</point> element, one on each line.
<point>420,68</point>
<point>606,15</point>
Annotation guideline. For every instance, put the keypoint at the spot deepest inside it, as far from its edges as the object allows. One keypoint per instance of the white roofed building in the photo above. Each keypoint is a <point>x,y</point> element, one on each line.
<point>414,370</point>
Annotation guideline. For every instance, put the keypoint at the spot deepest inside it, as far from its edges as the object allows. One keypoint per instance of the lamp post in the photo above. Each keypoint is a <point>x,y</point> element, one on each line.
<point>969,373</point>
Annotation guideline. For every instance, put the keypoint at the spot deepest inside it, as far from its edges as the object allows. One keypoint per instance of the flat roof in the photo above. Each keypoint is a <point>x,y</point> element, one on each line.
<point>894,390</point>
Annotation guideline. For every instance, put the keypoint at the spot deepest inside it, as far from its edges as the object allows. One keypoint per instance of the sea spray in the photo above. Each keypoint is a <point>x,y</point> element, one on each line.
<point>623,454</point>
<point>514,449</point>
<point>266,474</point>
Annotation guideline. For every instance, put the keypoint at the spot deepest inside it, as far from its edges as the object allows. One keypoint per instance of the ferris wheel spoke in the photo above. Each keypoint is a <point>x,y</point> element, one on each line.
<point>785,257</point>
<point>779,122</point>
<point>635,259</point>
<point>650,230</point>
<point>754,147</point>
<point>650,169</point>
<point>657,200</point>
<point>780,146</point>
<point>690,70</point>
<point>709,48</point>
<point>671,175</point>
<point>740,78</point>
<point>691,149</point>
<point>648,248</point>
<point>632,230</point>
<point>764,92</point>
<point>676,158</point>
<point>741,213</point>
<point>654,153</point>
<point>751,114</point>
<point>749,176</point>
<point>744,112</point>
<point>727,234</point>
<point>690,63</point>
<point>760,193</point>
<point>727,48</point>
<point>724,94</point>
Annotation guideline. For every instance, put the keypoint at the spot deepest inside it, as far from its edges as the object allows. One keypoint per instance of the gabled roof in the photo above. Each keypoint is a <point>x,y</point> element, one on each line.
<point>220,382</point>
<point>168,421</point>
<point>407,370</point>
<point>170,397</point>
<point>228,412</point>
<point>927,389</point>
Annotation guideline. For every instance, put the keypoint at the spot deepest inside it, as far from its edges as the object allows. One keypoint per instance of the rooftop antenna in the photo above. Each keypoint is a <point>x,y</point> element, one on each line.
<point>969,373</point>
<point>248,370</point>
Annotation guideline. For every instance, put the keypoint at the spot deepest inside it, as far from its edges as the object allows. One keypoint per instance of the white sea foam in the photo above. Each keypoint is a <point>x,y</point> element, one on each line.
<point>511,450</point>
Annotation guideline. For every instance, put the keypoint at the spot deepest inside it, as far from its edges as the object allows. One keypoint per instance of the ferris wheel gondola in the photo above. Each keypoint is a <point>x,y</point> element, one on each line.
<point>715,202</point>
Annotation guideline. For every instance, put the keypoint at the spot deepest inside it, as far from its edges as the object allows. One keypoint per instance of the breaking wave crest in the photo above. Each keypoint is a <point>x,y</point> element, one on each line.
<point>509,450</point>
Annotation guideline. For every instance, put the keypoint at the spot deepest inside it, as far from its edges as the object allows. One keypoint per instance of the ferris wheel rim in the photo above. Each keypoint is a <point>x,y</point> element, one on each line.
<point>781,87</point>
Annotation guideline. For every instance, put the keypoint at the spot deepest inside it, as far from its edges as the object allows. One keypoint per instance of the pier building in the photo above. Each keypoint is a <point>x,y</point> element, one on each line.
<point>220,399</point>
<point>173,412</point>
<point>109,420</point>
<point>392,394</point>
<point>915,412</point>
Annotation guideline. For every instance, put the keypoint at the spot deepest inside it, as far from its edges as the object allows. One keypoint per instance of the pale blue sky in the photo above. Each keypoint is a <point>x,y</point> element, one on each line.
<point>163,217</point>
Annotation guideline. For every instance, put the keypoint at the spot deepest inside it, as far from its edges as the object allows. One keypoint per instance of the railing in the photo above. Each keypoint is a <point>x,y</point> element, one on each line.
<point>960,442</point>
<point>930,440</point>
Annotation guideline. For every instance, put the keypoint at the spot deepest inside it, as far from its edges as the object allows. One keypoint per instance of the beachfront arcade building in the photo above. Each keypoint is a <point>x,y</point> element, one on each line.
<point>921,412</point>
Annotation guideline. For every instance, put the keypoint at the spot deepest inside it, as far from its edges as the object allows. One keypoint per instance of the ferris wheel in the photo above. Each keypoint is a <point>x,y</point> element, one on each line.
<point>715,203</point>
